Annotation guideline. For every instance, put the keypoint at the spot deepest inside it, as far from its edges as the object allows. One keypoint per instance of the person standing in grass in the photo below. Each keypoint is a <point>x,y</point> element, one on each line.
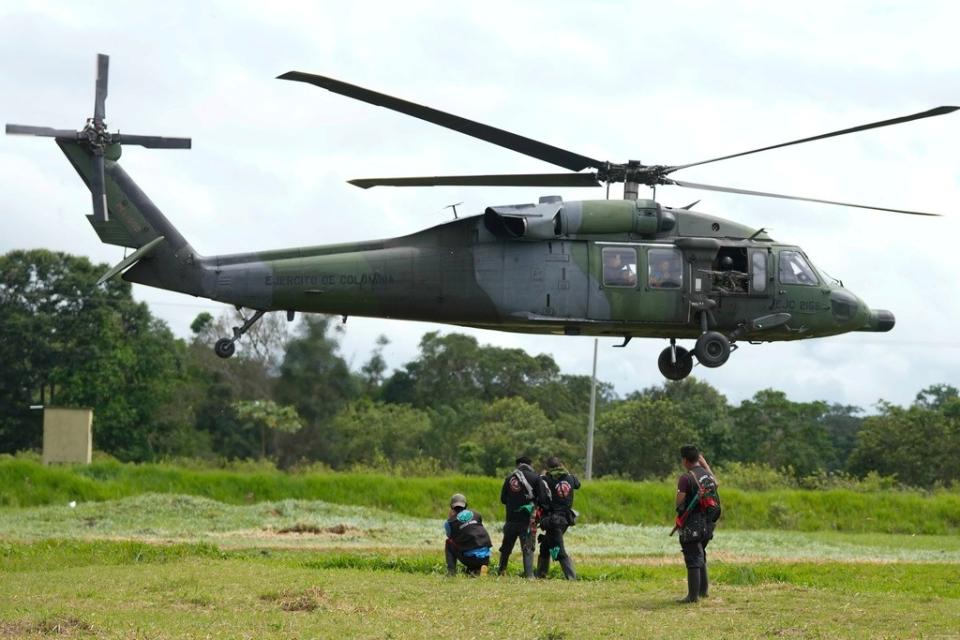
<point>467,538</point>
<point>558,515</point>
<point>698,507</point>
<point>523,495</point>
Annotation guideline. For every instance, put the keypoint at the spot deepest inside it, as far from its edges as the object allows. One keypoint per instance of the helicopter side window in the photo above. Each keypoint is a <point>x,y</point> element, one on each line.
<point>619,267</point>
<point>665,268</point>
<point>795,270</point>
<point>758,263</point>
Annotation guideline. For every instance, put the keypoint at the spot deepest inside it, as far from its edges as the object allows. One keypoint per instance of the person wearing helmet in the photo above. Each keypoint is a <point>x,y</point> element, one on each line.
<point>467,538</point>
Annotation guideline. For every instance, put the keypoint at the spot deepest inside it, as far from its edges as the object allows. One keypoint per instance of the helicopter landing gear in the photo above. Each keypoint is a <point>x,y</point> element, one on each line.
<point>225,347</point>
<point>712,349</point>
<point>675,362</point>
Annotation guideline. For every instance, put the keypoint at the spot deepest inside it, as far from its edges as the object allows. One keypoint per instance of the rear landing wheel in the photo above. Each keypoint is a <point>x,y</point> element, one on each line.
<point>224,347</point>
<point>675,370</point>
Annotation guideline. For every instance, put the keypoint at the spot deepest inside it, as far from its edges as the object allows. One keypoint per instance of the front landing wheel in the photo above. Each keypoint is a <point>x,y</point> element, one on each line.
<point>675,370</point>
<point>224,347</point>
<point>712,349</point>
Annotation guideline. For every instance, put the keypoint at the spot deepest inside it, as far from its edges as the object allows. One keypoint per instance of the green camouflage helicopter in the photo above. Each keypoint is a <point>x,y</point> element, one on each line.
<point>625,268</point>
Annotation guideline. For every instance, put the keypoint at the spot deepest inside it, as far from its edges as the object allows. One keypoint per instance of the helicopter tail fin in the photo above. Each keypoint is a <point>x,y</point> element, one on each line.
<point>164,259</point>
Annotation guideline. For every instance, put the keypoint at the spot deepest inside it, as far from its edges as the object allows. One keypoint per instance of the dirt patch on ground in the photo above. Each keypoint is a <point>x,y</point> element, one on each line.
<point>337,529</point>
<point>61,627</point>
<point>309,600</point>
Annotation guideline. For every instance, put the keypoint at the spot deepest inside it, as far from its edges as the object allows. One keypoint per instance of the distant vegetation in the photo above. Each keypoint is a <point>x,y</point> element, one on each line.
<point>460,407</point>
<point>860,507</point>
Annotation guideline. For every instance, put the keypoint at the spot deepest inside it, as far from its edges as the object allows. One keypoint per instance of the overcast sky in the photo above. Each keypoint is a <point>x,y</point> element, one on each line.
<point>666,83</point>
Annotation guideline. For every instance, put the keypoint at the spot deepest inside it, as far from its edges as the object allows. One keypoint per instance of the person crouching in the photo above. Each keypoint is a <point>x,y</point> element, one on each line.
<point>467,539</point>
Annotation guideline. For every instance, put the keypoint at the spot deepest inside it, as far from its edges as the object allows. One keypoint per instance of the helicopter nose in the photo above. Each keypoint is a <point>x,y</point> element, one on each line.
<point>879,320</point>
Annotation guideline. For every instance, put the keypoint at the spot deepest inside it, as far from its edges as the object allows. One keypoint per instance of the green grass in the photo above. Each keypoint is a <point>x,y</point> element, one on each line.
<point>27,483</point>
<point>136,590</point>
<point>299,524</point>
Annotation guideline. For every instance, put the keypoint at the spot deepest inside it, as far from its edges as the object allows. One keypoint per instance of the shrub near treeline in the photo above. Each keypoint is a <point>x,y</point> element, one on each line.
<point>27,483</point>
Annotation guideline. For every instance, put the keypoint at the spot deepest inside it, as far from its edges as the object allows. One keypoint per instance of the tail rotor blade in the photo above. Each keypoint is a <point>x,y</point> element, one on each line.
<point>98,188</point>
<point>47,132</point>
<point>153,142</point>
<point>99,103</point>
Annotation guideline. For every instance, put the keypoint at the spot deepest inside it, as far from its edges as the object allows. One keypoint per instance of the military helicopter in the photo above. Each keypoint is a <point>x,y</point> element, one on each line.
<point>629,268</point>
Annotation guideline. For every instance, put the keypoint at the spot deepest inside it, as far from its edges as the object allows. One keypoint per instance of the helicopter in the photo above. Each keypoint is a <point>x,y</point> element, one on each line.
<point>626,268</point>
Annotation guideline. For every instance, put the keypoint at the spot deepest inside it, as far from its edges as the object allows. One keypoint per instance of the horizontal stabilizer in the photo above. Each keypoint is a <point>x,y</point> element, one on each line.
<point>130,260</point>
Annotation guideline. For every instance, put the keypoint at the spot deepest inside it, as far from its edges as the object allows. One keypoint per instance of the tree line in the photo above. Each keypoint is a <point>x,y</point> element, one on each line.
<point>290,397</point>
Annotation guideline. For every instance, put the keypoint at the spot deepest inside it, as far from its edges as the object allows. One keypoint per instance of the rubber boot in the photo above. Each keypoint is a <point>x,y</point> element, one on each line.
<point>566,563</point>
<point>451,563</point>
<point>528,564</point>
<point>693,586</point>
<point>502,567</point>
<point>543,566</point>
<point>704,582</point>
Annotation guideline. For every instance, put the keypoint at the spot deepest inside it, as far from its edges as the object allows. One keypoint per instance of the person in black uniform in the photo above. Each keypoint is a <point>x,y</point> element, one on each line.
<point>695,547</point>
<point>558,515</point>
<point>467,538</point>
<point>523,493</point>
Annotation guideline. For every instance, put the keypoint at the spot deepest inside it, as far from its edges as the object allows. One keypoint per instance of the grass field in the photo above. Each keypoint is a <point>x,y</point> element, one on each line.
<point>25,483</point>
<point>157,552</point>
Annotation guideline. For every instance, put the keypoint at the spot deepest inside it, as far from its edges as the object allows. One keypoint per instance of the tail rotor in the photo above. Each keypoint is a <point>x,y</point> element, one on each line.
<point>95,136</point>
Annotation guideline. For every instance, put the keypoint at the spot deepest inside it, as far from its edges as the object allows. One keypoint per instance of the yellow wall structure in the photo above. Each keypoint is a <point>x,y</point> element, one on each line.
<point>67,435</point>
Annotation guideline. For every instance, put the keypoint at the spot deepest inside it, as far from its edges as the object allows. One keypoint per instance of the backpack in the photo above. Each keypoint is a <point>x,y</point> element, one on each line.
<point>708,498</point>
<point>697,522</point>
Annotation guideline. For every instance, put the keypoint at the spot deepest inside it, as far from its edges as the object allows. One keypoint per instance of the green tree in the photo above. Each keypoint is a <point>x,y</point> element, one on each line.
<point>936,396</point>
<point>641,439</point>
<point>366,432</point>
<point>452,368</point>
<point>917,444</point>
<point>267,416</point>
<point>65,340</point>
<point>772,430</point>
<point>318,382</point>
<point>704,408</point>
<point>510,427</point>
<point>373,370</point>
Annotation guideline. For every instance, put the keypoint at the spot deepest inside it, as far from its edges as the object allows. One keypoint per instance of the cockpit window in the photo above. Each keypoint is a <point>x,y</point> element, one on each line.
<point>619,267</point>
<point>665,268</point>
<point>795,270</point>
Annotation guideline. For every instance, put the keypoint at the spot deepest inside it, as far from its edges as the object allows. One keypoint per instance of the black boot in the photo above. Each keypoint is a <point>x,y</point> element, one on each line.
<point>528,563</point>
<point>693,586</point>
<point>704,582</point>
<point>543,566</point>
<point>566,563</point>
<point>502,567</point>
<point>451,563</point>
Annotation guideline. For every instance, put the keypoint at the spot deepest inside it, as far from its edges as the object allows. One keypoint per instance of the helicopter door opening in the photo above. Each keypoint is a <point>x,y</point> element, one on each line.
<point>739,271</point>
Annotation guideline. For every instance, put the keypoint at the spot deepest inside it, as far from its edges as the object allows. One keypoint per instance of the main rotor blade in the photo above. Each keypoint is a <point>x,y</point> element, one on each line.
<point>710,187</point>
<point>939,111</point>
<point>497,180</point>
<point>527,146</point>
<point>47,132</point>
<point>100,99</point>
<point>153,142</point>
<point>98,188</point>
